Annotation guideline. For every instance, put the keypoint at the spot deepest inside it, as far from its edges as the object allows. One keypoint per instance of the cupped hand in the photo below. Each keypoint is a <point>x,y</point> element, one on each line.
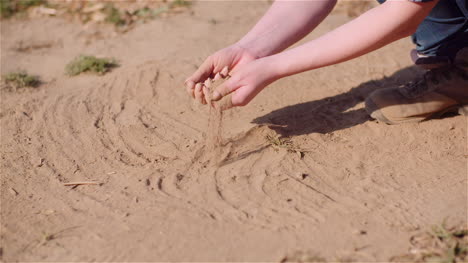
<point>246,82</point>
<point>232,57</point>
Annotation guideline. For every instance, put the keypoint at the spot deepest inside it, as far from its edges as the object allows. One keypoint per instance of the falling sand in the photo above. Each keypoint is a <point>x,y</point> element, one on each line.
<point>214,139</point>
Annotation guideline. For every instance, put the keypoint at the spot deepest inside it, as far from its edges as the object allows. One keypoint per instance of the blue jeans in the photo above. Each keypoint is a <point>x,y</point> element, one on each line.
<point>444,31</point>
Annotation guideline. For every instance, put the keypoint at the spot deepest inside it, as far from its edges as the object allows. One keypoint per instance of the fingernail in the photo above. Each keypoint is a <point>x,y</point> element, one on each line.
<point>216,95</point>
<point>217,76</point>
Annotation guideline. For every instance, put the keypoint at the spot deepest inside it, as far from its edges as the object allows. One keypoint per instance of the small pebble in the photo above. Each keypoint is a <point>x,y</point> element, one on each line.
<point>40,162</point>
<point>300,154</point>
<point>360,232</point>
<point>13,192</point>
<point>48,212</point>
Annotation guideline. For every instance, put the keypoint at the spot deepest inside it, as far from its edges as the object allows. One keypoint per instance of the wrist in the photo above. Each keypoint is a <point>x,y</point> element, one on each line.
<point>275,67</point>
<point>271,66</point>
<point>248,49</point>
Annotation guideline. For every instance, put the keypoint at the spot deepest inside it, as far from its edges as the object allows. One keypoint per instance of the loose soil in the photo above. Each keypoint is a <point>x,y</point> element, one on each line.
<point>360,190</point>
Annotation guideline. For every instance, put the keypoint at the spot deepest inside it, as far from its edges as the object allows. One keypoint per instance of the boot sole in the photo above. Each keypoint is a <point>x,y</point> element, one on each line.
<point>377,114</point>
<point>463,110</point>
<point>460,109</point>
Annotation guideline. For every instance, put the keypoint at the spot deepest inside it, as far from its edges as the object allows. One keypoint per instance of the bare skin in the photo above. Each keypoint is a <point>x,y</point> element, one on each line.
<point>256,60</point>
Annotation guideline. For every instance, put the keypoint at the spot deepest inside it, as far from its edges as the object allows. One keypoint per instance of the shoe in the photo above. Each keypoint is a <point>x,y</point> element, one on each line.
<point>438,91</point>
<point>428,62</point>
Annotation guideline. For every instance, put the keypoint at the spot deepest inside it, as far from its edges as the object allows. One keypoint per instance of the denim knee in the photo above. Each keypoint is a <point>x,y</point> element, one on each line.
<point>444,31</point>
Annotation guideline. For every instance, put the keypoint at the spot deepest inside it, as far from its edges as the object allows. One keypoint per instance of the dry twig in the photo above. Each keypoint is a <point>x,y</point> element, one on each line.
<point>81,183</point>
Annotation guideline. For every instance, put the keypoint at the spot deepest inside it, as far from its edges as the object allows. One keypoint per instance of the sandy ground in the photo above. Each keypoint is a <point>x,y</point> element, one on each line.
<point>359,192</point>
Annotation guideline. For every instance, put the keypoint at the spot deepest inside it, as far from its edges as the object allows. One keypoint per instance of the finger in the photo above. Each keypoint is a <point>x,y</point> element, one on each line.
<point>190,85</point>
<point>207,91</point>
<point>224,72</point>
<point>238,99</point>
<point>224,89</point>
<point>207,83</point>
<point>206,95</point>
<point>199,93</point>
<point>217,76</point>
<point>244,95</point>
<point>233,71</point>
<point>203,72</point>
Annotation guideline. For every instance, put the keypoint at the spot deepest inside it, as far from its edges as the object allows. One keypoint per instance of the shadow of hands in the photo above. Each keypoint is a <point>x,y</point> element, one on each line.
<point>332,113</point>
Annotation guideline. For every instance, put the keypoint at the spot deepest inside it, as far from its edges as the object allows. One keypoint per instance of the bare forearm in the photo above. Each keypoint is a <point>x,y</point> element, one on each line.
<point>285,23</point>
<point>372,30</point>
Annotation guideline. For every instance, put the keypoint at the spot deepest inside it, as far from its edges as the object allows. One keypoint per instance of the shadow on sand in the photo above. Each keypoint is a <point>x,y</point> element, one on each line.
<point>332,113</point>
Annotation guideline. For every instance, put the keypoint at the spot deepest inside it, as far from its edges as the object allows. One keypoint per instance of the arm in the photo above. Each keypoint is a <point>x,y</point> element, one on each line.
<point>376,28</point>
<point>285,23</point>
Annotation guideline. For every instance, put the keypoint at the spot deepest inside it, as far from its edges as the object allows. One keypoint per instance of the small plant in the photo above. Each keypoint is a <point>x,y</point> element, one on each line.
<point>90,64</point>
<point>10,7</point>
<point>113,15</point>
<point>284,143</point>
<point>21,79</point>
<point>180,3</point>
<point>302,257</point>
<point>279,142</point>
<point>148,13</point>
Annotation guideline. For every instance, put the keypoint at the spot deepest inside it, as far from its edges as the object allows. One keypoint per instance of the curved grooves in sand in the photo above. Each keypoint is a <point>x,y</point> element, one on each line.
<point>118,124</point>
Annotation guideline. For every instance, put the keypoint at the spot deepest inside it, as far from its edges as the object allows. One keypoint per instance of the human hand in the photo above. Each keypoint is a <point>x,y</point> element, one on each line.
<point>246,82</point>
<point>232,57</point>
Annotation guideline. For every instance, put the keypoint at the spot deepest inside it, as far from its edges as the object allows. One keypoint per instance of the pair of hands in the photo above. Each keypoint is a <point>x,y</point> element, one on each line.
<point>249,75</point>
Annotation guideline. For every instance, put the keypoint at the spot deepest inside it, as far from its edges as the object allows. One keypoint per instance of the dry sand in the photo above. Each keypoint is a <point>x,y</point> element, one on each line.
<point>360,190</point>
